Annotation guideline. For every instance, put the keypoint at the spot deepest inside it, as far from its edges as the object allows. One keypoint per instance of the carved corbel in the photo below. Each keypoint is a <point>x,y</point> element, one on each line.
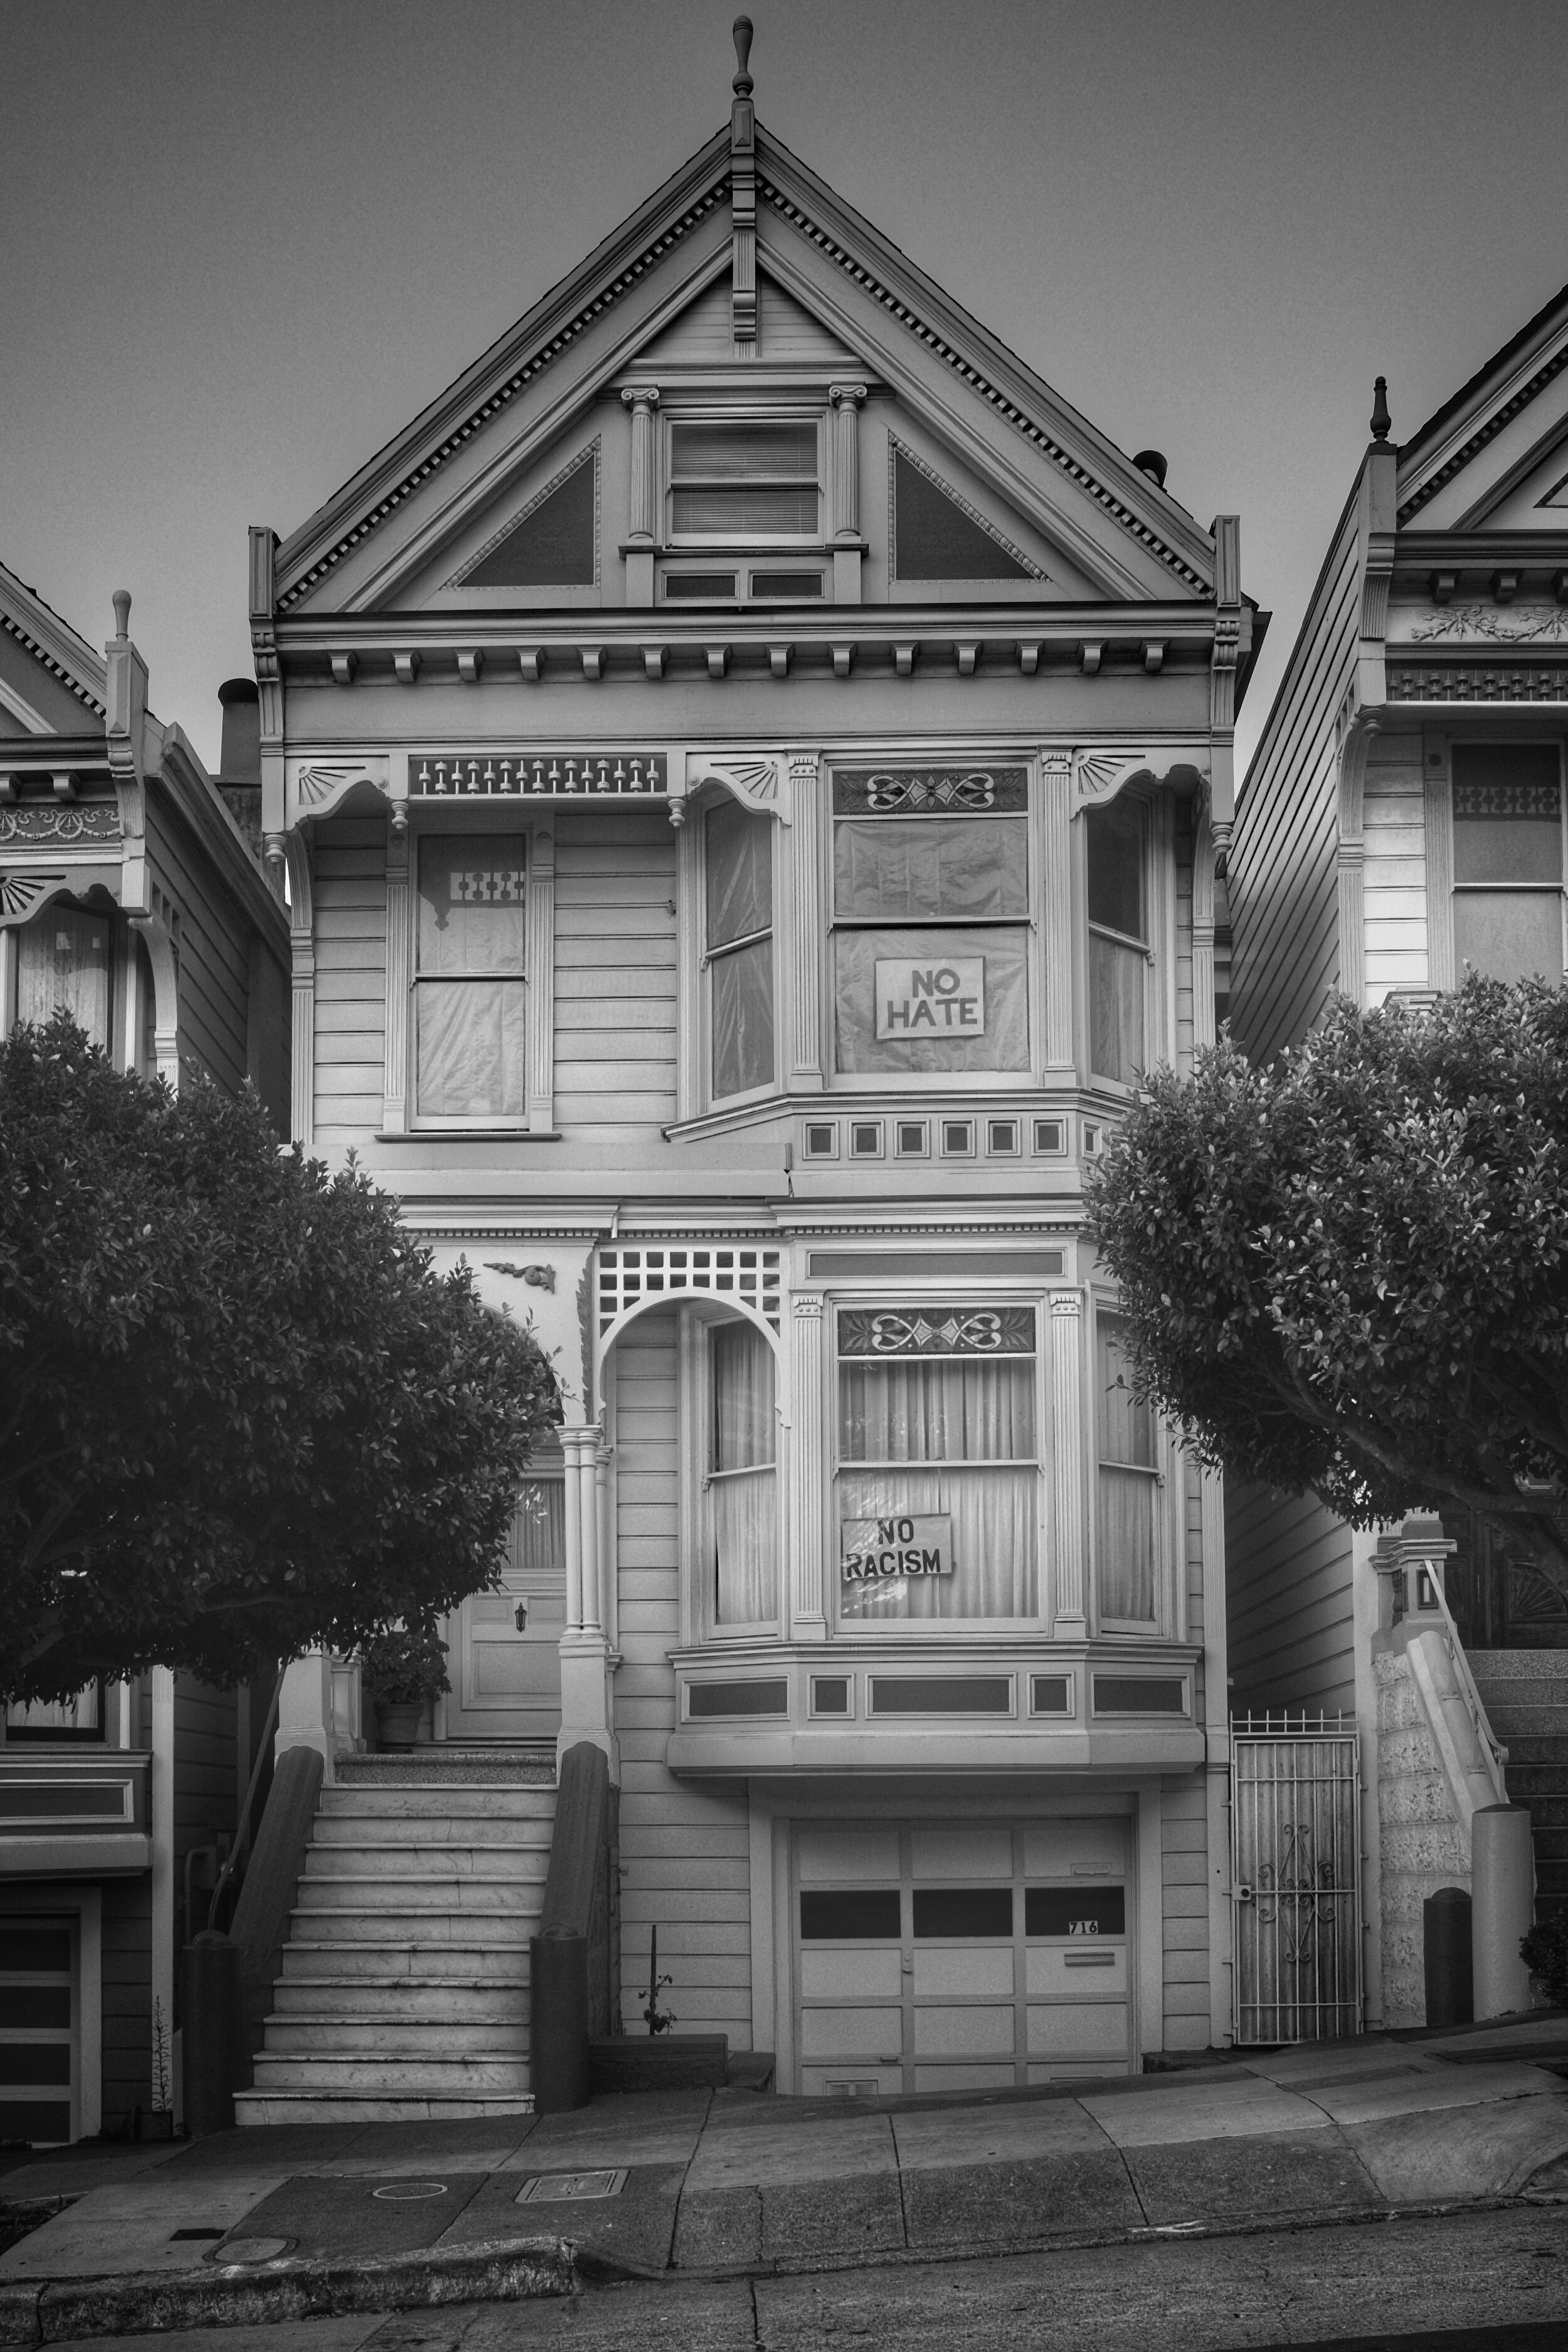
<point>317,788</point>
<point>1100,775</point>
<point>759,781</point>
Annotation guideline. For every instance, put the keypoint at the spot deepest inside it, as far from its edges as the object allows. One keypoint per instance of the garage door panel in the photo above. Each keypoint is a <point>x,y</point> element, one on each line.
<point>987,1969</point>
<point>1102,1969</point>
<point>1078,2029</point>
<point>964,2077</point>
<point>851,2032</point>
<point>962,1854</point>
<point>845,2081</point>
<point>1068,1849</point>
<point>850,1976</point>
<point>958,2029</point>
<point>842,1857</point>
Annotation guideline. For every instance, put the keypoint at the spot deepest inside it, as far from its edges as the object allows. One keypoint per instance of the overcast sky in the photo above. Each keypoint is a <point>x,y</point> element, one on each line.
<point>242,244</point>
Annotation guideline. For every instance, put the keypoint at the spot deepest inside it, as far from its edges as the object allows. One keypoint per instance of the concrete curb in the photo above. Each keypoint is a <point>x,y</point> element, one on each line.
<point>494,2270</point>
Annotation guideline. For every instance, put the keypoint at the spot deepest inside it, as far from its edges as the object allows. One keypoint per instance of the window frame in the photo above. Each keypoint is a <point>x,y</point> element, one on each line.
<point>1438,746</point>
<point>537,975</point>
<point>1162,1625</point>
<point>692,885</point>
<point>782,411</point>
<point>861,1297</point>
<point>701,1626</point>
<point>1026,1076</point>
<point>1154,1045</point>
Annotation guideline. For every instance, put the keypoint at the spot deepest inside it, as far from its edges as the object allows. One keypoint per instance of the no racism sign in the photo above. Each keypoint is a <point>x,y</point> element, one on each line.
<point>927,999</point>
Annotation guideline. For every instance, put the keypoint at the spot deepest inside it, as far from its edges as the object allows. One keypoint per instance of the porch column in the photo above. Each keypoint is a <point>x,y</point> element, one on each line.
<point>844,489</point>
<point>1067,1431</point>
<point>807,1387</point>
<point>642,538</point>
<point>306,1712</point>
<point>585,1673</point>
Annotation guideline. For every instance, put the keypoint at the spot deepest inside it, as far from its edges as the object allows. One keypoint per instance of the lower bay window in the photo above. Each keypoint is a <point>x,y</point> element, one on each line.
<point>1507,887</point>
<point>470,1016</point>
<point>741,1535</point>
<point>1127,1481</point>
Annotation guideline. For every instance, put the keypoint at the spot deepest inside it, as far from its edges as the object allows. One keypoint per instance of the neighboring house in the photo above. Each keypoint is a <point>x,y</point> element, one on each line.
<point>748,760</point>
<point>1404,818</point>
<point>129,897</point>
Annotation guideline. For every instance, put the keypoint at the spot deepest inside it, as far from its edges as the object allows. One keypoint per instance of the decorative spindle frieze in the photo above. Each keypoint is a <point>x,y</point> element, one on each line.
<point>542,775</point>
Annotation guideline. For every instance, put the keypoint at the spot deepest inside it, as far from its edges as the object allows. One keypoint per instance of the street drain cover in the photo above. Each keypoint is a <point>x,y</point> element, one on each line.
<point>568,2187</point>
<point>408,2192</point>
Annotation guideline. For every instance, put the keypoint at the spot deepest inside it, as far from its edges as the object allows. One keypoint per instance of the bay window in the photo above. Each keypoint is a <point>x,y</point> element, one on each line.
<point>931,921</point>
<point>741,1485</point>
<point>738,852</point>
<point>1128,1483</point>
<point>1507,860</point>
<point>471,1017</point>
<point>1118,941</point>
<point>938,1480</point>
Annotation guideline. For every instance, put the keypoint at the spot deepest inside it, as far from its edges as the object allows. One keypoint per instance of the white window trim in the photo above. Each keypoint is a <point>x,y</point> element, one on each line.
<point>780,410</point>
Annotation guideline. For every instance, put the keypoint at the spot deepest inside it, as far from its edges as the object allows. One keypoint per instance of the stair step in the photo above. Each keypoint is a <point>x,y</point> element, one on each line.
<point>520,1857</point>
<point>498,2000</point>
<point>415,2038</point>
<point>289,2106</point>
<point>1532,1747</point>
<point>451,1767</point>
<point>506,1929</point>
<point>324,2070</point>
<point>352,1890</point>
<point>435,1805</point>
<point>450,1966</point>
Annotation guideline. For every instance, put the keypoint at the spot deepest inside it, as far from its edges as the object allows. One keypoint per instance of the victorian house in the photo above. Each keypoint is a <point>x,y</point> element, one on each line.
<point>131,896</point>
<point>1403,822</point>
<point>748,763</point>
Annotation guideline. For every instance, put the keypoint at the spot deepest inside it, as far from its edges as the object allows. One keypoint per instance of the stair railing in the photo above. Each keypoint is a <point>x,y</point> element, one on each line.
<point>1491,1746</point>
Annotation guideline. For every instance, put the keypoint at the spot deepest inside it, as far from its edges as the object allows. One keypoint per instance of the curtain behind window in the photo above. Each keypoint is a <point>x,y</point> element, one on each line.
<point>743,1478</point>
<point>977,1418</point>
<point>62,966</point>
<point>1126,1529</point>
<point>471,1009</point>
<point>739,855</point>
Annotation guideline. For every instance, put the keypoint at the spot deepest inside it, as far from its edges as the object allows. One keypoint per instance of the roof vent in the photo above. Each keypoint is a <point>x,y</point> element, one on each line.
<point>1152,463</point>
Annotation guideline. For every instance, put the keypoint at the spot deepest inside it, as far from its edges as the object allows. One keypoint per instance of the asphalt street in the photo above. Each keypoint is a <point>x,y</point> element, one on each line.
<point>1494,2281</point>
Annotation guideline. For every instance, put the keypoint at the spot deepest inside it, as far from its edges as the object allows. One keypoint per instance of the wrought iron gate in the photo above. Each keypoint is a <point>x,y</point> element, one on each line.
<point>1295,1852</point>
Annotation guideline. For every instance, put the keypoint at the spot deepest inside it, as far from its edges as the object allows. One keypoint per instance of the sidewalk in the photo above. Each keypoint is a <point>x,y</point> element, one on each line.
<point>708,2183</point>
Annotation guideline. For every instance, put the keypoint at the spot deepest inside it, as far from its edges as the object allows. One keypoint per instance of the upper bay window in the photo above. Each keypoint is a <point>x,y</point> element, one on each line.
<point>470,1016</point>
<point>938,1464</point>
<point>1507,860</point>
<point>931,919</point>
<point>1118,941</point>
<point>744,482</point>
<point>738,854</point>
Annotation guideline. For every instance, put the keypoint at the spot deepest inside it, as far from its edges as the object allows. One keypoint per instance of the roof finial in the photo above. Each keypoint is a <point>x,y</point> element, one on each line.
<point>121,601</point>
<point>1381,419</point>
<point>742,85</point>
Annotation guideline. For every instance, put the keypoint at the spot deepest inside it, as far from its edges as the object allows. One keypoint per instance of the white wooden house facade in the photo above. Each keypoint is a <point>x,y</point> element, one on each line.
<point>747,761</point>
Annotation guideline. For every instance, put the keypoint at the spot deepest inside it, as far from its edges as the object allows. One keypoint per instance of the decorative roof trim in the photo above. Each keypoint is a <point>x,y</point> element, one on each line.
<point>1005,406</point>
<point>539,360</point>
<point>1487,432</point>
<point>40,653</point>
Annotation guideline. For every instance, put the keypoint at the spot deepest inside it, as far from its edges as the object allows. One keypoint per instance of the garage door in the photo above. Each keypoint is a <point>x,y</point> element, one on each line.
<point>946,1956</point>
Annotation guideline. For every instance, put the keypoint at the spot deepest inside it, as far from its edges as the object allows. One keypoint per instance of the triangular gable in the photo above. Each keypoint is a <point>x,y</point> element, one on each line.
<point>553,542</point>
<point>1533,495</point>
<point>455,478</point>
<point>787,334</point>
<point>1491,454</point>
<point>51,681</point>
<point>937,534</point>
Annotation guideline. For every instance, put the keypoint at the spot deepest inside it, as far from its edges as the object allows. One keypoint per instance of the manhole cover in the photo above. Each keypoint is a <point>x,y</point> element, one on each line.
<point>567,2188</point>
<point>409,2192</point>
<point>251,2250</point>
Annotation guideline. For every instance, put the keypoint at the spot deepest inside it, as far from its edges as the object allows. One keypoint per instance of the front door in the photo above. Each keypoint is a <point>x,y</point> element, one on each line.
<point>504,1647</point>
<point>1499,1599</point>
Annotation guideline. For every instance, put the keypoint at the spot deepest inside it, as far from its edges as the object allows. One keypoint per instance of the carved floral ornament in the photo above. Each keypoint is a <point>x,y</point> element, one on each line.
<point>1503,624</point>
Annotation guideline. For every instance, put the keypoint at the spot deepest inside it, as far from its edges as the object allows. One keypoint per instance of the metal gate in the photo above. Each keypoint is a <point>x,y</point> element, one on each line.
<point>1295,1852</point>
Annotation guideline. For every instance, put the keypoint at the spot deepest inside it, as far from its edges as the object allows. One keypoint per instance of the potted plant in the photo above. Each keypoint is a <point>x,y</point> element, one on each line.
<point>401,1667</point>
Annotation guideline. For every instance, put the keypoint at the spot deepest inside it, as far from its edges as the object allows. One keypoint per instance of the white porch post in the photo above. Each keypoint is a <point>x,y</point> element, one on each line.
<point>305,1710</point>
<point>808,1385</point>
<point>585,1667</point>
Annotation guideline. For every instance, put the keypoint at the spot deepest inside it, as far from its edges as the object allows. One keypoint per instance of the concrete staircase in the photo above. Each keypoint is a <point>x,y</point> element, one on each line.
<point>1525,1694</point>
<point>403,1996</point>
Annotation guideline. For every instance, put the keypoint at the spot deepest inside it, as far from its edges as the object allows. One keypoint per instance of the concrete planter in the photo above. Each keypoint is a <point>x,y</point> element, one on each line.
<point>660,2061</point>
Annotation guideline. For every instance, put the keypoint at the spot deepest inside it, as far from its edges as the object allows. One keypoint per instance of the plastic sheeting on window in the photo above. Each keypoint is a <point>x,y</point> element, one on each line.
<point>1117,975</point>
<point>62,966</point>
<point>738,856</point>
<point>471,1048</point>
<point>472,904</point>
<point>1002,1045</point>
<point>743,1018</point>
<point>742,1482</point>
<point>978,1417</point>
<point>930,869</point>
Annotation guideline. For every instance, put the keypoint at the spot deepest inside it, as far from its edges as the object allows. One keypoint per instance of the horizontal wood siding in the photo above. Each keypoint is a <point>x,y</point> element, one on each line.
<point>685,1864</point>
<point>204,1773</point>
<point>1283,879</point>
<point>214,952</point>
<point>1290,1602</point>
<point>616,995</point>
<point>350,887</point>
<point>127,1997</point>
<point>1394,874</point>
<point>1184,1927</point>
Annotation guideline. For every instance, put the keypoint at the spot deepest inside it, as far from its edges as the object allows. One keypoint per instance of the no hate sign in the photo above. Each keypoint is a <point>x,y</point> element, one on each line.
<point>931,1000</point>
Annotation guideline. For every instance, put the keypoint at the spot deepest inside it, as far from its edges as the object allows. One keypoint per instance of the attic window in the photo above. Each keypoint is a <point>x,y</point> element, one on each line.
<point>553,544</point>
<point>936,536</point>
<point>743,481</point>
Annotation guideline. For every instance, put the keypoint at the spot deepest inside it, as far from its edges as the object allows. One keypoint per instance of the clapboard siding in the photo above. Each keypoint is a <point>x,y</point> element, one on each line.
<point>1394,872</point>
<point>215,952</point>
<point>127,1964</point>
<point>349,881</point>
<point>1291,1602</point>
<point>1184,1929</point>
<point>684,1852</point>
<point>616,975</point>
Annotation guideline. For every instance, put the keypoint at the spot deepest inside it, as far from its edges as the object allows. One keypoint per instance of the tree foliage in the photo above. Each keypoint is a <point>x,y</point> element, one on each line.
<point>239,1413</point>
<point>1349,1271</point>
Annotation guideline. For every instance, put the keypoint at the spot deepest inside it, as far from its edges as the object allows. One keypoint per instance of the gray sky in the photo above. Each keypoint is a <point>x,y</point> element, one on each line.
<point>241,245</point>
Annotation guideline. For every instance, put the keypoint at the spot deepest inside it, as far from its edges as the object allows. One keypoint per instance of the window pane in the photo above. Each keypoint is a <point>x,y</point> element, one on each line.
<point>953,1410</point>
<point>923,971</point>
<point>994,1543</point>
<point>1508,823</point>
<point>1116,992</point>
<point>1126,1420</point>
<point>62,966</point>
<point>471,1048</point>
<point>966,1911</point>
<point>1127,1544</point>
<point>1115,845</point>
<point>1075,1911</point>
<point>538,1534</point>
<point>743,1015</point>
<point>746,1547</point>
<point>921,871</point>
<point>743,1427</point>
<point>1509,934</point>
<point>472,903</point>
<point>743,453</point>
<point>748,511</point>
<point>740,861</point>
<point>830,1913</point>
<point>78,1714</point>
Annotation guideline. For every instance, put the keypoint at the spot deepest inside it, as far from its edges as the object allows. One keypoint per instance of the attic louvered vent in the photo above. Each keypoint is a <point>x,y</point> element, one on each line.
<point>936,538</point>
<point>552,544</point>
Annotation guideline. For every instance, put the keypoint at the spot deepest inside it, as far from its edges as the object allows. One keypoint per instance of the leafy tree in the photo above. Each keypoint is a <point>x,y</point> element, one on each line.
<point>239,1413</point>
<point>1349,1271</point>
